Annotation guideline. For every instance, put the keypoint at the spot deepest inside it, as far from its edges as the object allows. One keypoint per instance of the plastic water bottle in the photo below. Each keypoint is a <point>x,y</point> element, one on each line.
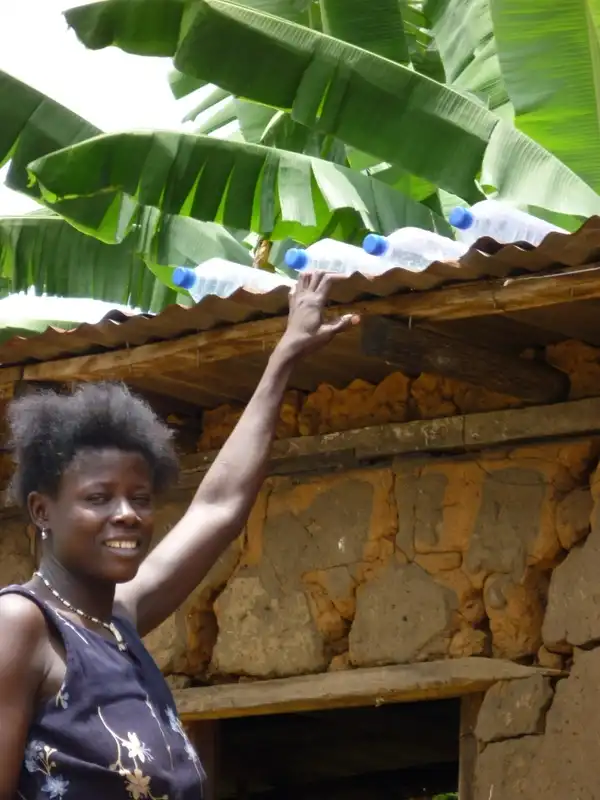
<point>413,248</point>
<point>220,277</point>
<point>329,255</point>
<point>501,222</point>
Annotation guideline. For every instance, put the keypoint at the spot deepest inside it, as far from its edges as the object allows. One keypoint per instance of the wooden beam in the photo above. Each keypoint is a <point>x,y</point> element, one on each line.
<point>434,680</point>
<point>473,432</point>
<point>468,747</point>
<point>174,355</point>
<point>417,350</point>
<point>504,296</point>
<point>482,298</point>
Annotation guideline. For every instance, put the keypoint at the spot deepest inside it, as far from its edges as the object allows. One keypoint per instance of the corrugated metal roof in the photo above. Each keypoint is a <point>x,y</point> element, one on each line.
<point>487,259</point>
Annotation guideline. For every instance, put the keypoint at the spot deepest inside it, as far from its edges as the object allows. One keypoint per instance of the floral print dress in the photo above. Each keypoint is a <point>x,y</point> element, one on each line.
<point>112,731</point>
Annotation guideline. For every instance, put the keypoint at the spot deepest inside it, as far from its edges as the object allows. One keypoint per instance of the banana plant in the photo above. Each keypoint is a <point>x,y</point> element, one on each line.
<point>549,54</point>
<point>371,103</point>
<point>351,116</point>
<point>42,251</point>
<point>102,184</point>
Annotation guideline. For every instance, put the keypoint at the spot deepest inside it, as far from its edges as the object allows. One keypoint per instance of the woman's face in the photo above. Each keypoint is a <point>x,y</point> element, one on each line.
<point>101,522</point>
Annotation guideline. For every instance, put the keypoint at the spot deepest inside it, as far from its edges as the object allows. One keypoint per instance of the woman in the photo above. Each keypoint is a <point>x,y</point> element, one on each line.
<point>84,711</point>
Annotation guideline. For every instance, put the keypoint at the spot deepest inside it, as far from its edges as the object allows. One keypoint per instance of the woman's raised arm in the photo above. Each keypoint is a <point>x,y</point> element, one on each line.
<point>225,497</point>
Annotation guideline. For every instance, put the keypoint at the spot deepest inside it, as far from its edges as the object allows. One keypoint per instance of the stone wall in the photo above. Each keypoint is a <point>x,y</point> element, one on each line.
<point>539,740</point>
<point>404,562</point>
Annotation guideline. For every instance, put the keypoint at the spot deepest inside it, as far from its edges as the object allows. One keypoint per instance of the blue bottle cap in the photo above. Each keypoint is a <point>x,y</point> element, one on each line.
<point>296,258</point>
<point>375,245</point>
<point>461,218</point>
<point>184,277</point>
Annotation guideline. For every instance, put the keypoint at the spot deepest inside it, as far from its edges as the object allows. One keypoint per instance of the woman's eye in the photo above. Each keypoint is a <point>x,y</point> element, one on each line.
<point>97,499</point>
<point>143,500</point>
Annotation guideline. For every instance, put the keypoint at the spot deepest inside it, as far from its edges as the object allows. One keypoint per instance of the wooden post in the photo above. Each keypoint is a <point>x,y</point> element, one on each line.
<point>468,750</point>
<point>205,738</point>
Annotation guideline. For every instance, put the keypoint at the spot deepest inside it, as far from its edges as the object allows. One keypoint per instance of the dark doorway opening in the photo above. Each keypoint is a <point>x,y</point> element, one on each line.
<point>391,752</point>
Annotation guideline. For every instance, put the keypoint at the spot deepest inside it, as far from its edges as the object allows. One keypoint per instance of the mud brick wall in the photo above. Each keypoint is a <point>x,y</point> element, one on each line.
<point>361,404</point>
<point>395,564</point>
<point>538,739</point>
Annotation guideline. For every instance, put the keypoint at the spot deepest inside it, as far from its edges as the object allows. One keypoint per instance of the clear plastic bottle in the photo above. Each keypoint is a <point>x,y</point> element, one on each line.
<point>501,222</point>
<point>329,255</point>
<point>220,277</point>
<point>413,248</point>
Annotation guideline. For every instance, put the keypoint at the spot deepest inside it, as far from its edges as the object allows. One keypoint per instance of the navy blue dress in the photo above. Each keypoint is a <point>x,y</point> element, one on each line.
<point>112,731</point>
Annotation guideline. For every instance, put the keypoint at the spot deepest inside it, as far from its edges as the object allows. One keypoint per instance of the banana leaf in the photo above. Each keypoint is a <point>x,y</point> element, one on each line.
<point>550,58</point>
<point>376,26</point>
<point>464,33</point>
<point>41,250</point>
<point>33,125</point>
<point>367,101</point>
<point>102,183</point>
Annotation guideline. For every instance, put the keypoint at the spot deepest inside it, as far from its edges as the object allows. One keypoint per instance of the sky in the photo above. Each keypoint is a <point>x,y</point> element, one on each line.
<point>112,89</point>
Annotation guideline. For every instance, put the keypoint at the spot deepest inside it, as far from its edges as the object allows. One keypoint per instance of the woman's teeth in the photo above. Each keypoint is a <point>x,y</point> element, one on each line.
<point>122,545</point>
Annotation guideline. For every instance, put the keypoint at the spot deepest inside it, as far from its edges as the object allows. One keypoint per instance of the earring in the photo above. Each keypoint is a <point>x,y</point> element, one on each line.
<point>44,534</point>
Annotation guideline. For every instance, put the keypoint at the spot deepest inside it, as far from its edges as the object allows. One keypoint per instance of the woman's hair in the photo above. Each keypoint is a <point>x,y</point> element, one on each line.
<point>48,430</point>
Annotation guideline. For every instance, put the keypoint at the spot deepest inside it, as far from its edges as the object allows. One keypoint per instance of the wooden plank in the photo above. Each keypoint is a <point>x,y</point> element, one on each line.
<point>417,350</point>
<point>468,748</point>
<point>434,680</point>
<point>462,301</point>
<point>574,418</point>
<point>174,355</point>
<point>507,295</point>
<point>349,449</point>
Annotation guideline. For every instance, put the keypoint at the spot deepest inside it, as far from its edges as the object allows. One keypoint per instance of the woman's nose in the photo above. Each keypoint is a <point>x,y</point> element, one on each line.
<point>125,513</point>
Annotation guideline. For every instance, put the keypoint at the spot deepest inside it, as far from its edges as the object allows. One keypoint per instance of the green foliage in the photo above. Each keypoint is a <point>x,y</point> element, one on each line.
<point>369,102</point>
<point>250,187</point>
<point>351,116</point>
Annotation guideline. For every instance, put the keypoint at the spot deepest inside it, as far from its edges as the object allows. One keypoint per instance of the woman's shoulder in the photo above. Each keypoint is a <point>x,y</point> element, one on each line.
<point>21,621</point>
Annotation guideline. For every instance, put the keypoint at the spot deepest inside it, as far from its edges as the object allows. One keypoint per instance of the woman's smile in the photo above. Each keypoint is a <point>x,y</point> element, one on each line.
<point>124,547</point>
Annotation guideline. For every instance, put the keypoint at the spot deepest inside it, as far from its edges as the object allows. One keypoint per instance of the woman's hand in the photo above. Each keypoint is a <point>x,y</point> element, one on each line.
<point>306,331</point>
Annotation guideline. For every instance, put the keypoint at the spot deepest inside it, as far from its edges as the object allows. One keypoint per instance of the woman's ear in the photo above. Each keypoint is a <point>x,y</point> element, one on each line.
<point>37,505</point>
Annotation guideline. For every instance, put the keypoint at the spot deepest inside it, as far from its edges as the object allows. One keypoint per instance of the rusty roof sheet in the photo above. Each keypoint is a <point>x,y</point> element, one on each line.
<point>486,259</point>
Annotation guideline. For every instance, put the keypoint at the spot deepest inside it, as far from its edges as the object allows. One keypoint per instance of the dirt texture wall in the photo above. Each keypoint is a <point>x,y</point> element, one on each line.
<point>394,564</point>
<point>537,739</point>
